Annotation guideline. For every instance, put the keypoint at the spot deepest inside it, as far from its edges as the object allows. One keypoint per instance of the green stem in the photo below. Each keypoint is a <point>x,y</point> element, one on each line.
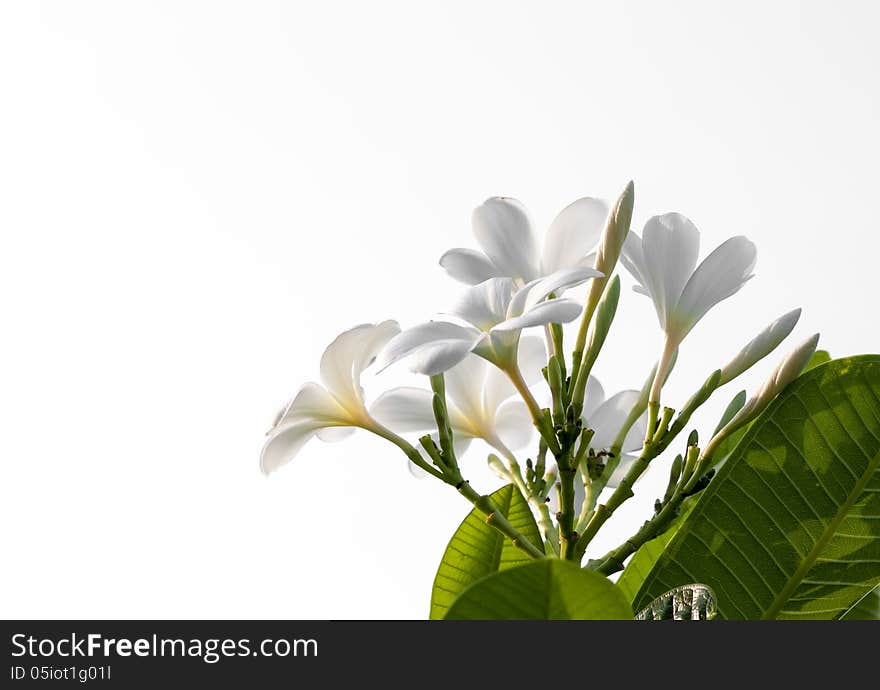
<point>414,456</point>
<point>591,495</point>
<point>567,536</point>
<point>545,522</point>
<point>450,473</point>
<point>621,494</point>
<point>664,367</point>
<point>538,417</point>
<point>652,449</point>
<point>613,561</point>
<point>558,349</point>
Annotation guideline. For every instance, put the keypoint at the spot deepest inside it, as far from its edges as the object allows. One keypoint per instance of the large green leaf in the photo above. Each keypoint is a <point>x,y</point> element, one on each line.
<point>549,589</point>
<point>477,549</point>
<point>790,526</point>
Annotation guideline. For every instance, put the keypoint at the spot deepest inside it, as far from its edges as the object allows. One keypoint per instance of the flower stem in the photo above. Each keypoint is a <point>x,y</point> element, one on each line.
<point>670,348</point>
<point>514,471</point>
<point>538,417</point>
<point>414,456</point>
<point>613,561</point>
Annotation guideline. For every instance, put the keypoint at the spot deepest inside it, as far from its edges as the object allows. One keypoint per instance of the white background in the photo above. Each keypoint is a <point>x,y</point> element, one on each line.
<point>195,198</point>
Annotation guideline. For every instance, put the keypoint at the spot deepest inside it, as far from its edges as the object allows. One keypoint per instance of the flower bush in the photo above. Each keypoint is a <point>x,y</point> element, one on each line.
<point>777,514</point>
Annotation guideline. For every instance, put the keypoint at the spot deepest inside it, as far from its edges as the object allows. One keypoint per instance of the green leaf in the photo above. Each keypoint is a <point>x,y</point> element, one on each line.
<point>866,609</point>
<point>819,357</point>
<point>790,526</point>
<point>549,589</point>
<point>477,550</point>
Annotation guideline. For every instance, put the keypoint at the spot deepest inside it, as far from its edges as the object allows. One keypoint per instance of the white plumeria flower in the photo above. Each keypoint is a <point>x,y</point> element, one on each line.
<point>606,417</point>
<point>664,262</point>
<point>510,249</point>
<point>478,400</point>
<point>333,410</point>
<point>496,313</point>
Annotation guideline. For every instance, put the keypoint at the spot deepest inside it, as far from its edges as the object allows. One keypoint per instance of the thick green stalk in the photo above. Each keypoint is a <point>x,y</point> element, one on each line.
<point>567,536</point>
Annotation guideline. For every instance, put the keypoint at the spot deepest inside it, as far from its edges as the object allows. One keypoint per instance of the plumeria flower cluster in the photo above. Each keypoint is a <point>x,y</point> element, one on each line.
<point>488,380</point>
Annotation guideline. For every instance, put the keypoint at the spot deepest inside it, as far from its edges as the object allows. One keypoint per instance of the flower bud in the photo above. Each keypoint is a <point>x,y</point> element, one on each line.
<point>760,346</point>
<point>786,372</point>
<point>615,232</point>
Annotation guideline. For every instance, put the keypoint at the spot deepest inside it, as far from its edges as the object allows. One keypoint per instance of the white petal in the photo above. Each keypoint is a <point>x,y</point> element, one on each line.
<point>513,424</point>
<point>439,357</point>
<point>313,403</point>
<point>468,265</point>
<point>504,231</point>
<point>496,386</point>
<point>760,346</point>
<point>671,244</point>
<point>437,346</point>
<point>530,295</point>
<point>608,420</point>
<point>496,390</point>
<point>464,386</point>
<point>551,311</point>
<point>720,275</point>
<point>348,355</point>
<point>282,447</point>
<point>485,304</point>
<point>405,409</point>
<point>334,434</point>
<point>573,233</point>
<point>532,357</point>
<point>593,397</point>
<point>633,258</point>
<point>460,445</point>
<point>371,345</point>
